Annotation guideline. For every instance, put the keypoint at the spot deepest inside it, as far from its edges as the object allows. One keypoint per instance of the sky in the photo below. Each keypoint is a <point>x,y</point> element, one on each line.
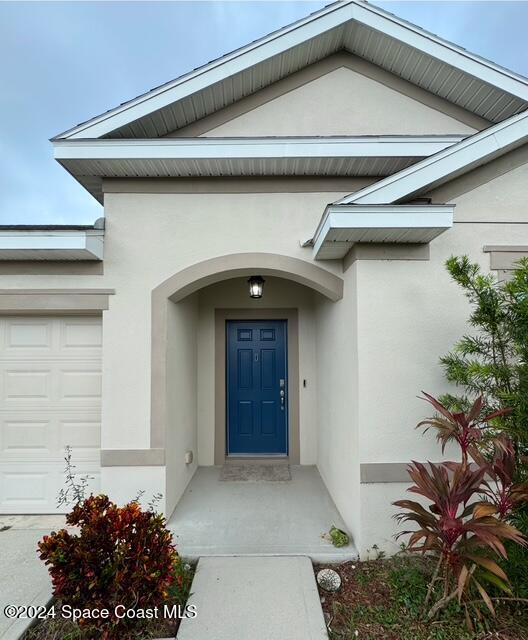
<point>64,62</point>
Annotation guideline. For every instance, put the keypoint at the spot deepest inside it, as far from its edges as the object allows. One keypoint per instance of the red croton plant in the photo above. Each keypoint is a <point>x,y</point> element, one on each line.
<point>120,556</point>
<point>466,522</point>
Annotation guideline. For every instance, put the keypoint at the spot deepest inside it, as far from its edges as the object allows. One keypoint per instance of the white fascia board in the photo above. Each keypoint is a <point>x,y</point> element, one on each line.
<point>216,71</point>
<point>289,37</point>
<point>62,245</point>
<point>230,148</point>
<point>382,217</point>
<point>470,152</point>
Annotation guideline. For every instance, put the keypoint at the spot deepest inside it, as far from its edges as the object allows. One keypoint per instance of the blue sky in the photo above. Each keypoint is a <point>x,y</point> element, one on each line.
<point>64,62</point>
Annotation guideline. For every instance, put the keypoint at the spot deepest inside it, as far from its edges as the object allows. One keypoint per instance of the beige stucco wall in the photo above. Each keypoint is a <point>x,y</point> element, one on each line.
<point>150,237</point>
<point>409,314</point>
<point>342,102</point>
<point>340,95</point>
<point>182,400</point>
<point>153,236</point>
<point>338,403</point>
<point>493,193</point>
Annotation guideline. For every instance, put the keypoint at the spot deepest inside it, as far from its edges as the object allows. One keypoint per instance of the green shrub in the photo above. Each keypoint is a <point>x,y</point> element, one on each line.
<point>492,361</point>
<point>516,566</point>
<point>338,537</point>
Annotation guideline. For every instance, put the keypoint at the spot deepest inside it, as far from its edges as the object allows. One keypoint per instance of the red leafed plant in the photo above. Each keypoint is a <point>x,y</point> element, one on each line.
<point>500,487</point>
<point>469,430</point>
<point>465,522</point>
<point>121,556</point>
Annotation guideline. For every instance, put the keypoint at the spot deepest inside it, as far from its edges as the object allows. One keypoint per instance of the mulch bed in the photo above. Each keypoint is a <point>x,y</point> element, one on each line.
<point>382,599</point>
<point>60,629</point>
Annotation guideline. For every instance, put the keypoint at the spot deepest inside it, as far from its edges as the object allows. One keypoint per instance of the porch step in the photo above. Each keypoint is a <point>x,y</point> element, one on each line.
<point>218,518</point>
<point>262,598</point>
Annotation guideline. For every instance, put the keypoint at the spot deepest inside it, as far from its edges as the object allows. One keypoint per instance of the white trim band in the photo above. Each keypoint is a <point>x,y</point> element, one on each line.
<point>236,148</point>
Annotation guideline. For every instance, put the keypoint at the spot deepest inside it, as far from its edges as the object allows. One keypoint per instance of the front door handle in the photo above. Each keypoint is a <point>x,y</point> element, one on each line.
<point>282,394</point>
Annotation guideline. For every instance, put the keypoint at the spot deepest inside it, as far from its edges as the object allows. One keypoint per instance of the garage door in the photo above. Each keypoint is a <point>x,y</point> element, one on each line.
<point>50,391</point>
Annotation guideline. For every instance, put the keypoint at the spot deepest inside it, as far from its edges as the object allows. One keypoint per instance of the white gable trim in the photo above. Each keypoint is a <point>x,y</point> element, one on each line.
<point>471,152</point>
<point>286,40</point>
<point>216,71</point>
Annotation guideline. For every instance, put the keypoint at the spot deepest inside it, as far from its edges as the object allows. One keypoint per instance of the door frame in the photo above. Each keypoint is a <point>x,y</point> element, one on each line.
<point>292,341</point>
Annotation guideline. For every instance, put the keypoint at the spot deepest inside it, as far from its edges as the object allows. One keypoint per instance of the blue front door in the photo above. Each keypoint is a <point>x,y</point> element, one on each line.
<point>257,404</point>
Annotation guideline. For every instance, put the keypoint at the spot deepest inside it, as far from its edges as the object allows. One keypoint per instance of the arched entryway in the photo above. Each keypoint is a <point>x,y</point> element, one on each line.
<point>207,272</point>
<point>177,372</point>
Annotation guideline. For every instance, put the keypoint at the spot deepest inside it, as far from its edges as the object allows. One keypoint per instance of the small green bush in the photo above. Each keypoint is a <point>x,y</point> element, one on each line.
<point>339,537</point>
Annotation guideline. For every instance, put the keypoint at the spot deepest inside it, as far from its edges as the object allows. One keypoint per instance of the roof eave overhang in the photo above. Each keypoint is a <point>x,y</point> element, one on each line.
<point>342,226</point>
<point>470,153</point>
<point>43,245</point>
<point>90,161</point>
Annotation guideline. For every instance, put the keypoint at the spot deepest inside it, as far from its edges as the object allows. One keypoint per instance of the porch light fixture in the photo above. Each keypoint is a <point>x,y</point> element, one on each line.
<point>256,284</point>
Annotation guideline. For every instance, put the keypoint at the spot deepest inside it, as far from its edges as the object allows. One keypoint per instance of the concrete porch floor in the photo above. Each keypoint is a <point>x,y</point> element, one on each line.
<point>215,518</point>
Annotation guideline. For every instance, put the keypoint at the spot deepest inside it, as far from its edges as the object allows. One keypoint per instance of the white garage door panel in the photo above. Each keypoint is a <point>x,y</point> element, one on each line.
<point>50,398</point>
<point>33,488</point>
<point>31,434</point>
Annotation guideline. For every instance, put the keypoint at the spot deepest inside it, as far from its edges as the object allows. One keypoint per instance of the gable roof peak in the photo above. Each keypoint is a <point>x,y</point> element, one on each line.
<point>444,69</point>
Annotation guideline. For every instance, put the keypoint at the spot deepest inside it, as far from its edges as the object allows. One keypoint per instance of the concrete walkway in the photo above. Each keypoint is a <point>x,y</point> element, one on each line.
<point>24,577</point>
<point>257,598</point>
<point>216,518</point>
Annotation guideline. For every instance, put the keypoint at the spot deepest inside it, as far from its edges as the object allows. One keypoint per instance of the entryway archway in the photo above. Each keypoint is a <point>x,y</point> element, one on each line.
<point>188,384</point>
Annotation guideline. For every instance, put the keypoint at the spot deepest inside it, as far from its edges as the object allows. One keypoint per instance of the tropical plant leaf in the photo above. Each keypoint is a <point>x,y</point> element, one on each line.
<point>485,597</point>
<point>483,509</point>
<point>493,579</point>
<point>462,580</point>
<point>490,565</point>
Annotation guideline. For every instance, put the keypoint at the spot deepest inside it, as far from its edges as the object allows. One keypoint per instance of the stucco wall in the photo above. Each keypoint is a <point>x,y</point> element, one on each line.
<point>411,313</point>
<point>342,102</point>
<point>182,376</point>
<point>340,95</point>
<point>153,236</point>
<point>338,402</point>
<point>150,237</point>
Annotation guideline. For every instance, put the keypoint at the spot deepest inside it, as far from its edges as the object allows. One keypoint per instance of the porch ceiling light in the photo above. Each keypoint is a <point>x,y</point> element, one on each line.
<point>256,284</point>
